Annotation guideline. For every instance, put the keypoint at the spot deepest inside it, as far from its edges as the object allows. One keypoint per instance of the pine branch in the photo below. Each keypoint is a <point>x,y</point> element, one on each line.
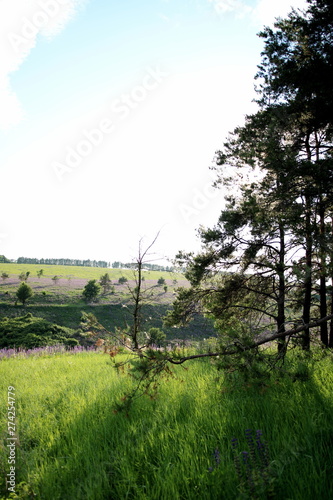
<point>249,347</point>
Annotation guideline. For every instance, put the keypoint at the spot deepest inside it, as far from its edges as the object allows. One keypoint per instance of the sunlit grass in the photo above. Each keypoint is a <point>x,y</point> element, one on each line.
<point>73,445</point>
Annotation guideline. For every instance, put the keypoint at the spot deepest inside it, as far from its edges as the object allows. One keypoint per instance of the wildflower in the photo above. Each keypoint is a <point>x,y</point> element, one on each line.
<point>249,438</point>
<point>217,456</point>
<point>252,466</point>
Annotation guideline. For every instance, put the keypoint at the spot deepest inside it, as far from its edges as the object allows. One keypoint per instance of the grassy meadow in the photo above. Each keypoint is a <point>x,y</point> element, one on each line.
<point>206,435</point>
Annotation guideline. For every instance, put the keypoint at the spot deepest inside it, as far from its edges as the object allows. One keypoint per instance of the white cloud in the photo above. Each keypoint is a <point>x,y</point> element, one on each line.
<point>266,11</point>
<point>263,13</point>
<point>226,6</point>
<point>21,22</point>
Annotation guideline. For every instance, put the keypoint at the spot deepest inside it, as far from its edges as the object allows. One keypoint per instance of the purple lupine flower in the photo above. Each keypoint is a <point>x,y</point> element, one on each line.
<point>260,445</point>
<point>248,470</point>
<point>217,456</point>
<point>250,442</point>
<point>217,460</point>
<point>234,444</point>
<point>40,351</point>
<point>252,466</point>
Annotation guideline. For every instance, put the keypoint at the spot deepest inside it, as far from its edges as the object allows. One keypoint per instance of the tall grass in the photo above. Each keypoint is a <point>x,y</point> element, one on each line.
<point>179,445</point>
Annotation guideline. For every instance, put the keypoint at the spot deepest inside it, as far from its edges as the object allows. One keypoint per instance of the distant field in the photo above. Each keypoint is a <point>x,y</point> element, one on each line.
<point>69,287</point>
<point>82,272</point>
<point>72,280</point>
<point>62,302</point>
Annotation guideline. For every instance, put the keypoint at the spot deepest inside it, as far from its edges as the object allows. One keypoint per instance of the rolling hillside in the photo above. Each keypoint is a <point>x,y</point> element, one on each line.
<point>60,300</point>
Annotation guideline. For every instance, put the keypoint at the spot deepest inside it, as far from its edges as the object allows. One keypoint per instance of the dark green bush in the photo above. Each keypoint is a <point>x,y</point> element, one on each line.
<point>29,332</point>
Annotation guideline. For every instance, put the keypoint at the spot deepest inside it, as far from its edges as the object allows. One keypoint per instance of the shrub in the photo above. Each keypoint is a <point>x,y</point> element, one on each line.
<point>29,332</point>
<point>91,290</point>
<point>105,282</point>
<point>155,336</point>
<point>40,273</point>
<point>71,342</point>
<point>24,292</point>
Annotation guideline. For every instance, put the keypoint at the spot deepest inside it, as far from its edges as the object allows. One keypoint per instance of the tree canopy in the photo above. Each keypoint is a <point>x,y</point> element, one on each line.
<point>266,265</point>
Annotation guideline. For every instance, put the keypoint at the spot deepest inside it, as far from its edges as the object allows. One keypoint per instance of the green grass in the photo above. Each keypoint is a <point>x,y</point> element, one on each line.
<point>82,272</point>
<point>72,445</point>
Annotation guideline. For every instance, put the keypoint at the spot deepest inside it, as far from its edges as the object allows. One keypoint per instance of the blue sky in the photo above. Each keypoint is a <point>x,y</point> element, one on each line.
<point>112,112</point>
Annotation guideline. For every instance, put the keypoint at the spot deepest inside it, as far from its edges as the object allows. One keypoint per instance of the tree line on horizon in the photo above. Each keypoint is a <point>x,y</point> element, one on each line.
<point>63,262</point>
<point>147,266</point>
<point>86,263</point>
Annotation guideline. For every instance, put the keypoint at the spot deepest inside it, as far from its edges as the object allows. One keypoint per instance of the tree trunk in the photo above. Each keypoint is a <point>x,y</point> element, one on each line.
<point>308,273</point>
<point>137,307</point>
<point>322,249</point>
<point>322,285</point>
<point>330,343</point>
<point>281,318</point>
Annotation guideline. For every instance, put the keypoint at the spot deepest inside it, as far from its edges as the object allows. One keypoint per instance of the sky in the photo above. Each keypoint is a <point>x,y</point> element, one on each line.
<point>111,114</point>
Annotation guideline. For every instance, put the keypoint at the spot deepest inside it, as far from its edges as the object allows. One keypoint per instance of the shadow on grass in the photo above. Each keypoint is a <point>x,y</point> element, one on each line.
<point>295,417</point>
<point>102,454</point>
<point>162,449</point>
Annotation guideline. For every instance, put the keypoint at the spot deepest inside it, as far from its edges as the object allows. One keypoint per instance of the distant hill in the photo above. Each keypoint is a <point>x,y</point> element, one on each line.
<point>60,301</point>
